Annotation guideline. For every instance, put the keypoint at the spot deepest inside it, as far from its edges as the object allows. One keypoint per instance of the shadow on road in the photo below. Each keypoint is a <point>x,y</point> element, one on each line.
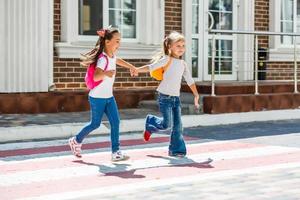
<point>124,170</point>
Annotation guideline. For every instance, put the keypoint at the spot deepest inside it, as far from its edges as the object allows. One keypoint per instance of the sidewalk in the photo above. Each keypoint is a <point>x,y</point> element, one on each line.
<point>25,127</point>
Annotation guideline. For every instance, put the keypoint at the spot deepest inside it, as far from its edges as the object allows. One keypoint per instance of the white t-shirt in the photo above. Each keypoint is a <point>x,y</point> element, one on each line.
<point>171,83</point>
<point>105,89</point>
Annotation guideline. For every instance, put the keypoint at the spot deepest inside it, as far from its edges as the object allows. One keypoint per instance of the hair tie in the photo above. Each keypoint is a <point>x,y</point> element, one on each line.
<point>166,41</point>
<point>101,32</point>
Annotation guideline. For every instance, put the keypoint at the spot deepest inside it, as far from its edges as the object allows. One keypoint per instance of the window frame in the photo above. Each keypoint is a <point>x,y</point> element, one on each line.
<point>279,51</point>
<point>106,23</point>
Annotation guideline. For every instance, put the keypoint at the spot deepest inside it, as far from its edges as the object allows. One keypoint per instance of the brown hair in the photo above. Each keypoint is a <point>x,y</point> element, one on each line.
<point>91,56</point>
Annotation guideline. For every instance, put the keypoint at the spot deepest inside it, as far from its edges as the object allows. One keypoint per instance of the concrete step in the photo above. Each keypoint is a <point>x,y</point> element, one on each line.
<point>189,109</point>
<point>187,104</point>
<point>148,104</point>
<point>242,87</point>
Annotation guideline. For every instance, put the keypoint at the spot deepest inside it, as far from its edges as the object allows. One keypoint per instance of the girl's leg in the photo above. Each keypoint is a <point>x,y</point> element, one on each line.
<point>112,114</point>
<point>154,123</point>
<point>97,109</point>
<point>177,144</point>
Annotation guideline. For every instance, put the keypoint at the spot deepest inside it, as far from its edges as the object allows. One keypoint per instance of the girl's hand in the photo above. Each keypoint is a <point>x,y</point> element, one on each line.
<point>134,71</point>
<point>196,102</point>
<point>110,73</point>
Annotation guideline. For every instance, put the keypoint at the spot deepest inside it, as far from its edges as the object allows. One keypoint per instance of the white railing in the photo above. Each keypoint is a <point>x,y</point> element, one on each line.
<point>256,51</point>
<point>255,34</point>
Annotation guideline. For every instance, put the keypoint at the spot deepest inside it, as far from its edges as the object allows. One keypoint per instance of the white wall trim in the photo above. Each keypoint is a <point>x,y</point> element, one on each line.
<point>283,54</point>
<point>126,51</point>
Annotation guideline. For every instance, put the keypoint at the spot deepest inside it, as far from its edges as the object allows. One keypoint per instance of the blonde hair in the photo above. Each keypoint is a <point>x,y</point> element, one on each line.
<point>91,56</point>
<point>173,37</point>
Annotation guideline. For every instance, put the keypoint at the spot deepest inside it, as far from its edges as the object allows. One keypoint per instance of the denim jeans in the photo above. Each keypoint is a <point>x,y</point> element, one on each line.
<point>99,106</point>
<point>170,109</point>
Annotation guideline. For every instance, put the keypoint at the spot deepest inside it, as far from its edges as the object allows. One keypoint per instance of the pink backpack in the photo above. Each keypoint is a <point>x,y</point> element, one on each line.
<point>89,76</point>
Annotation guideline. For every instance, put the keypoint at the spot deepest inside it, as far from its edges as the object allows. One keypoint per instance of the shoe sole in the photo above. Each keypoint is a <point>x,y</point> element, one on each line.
<point>73,150</point>
<point>145,137</point>
<point>123,159</point>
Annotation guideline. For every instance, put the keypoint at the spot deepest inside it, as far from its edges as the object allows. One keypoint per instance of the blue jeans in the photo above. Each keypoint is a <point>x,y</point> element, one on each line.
<point>170,109</point>
<point>98,107</point>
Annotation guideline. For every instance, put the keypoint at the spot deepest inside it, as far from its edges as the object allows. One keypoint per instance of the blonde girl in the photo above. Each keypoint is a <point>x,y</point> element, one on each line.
<point>169,92</point>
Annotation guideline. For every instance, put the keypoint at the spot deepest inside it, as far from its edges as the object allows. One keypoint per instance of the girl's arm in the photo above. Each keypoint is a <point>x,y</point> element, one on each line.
<point>147,68</point>
<point>143,69</point>
<point>123,63</point>
<point>191,83</point>
<point>196,95</point>
<point>100,74</point>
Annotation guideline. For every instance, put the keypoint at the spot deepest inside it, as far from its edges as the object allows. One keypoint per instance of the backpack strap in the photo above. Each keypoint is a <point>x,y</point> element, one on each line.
<point>166,67</point>
<point>105,56</point>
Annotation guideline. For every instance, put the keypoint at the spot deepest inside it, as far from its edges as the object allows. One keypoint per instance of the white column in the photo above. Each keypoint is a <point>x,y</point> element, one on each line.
<point>151,22</point>
<point>26,45</point>
<point>274,23</point>
<point>69,14</point>
<point>187,31</point>
<point>246,20</point>
<point>2,42</point>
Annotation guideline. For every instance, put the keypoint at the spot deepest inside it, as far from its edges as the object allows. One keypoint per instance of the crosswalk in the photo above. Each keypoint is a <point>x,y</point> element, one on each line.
<point>48,171</point>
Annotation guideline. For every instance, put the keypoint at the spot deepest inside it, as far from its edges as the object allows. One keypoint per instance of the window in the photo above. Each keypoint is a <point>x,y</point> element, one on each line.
<point>222,13</point>
<point>284,17</point>
<point>136,20</point>
<point>195,36</point>
<point>121,14</point>
<point>289,21</point>
<point>197,19</point>
<point>90,16</point>
<point>223,59</point>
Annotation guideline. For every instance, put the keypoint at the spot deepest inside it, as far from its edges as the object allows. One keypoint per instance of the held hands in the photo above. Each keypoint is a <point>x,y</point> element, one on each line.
<point>134,71</point>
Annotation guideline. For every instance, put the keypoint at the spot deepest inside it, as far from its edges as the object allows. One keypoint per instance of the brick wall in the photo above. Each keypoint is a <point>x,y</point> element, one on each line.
<point>281,71</point>
<point>262,20</point>
<point>173,14</point>
<point>69,75</point>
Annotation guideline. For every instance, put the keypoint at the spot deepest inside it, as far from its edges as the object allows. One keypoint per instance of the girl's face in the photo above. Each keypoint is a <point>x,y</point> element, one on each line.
<point>177,48</point>
<point>113,44</point>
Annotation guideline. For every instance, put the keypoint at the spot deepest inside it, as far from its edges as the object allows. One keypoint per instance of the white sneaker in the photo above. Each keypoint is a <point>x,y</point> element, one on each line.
<point>75,147</point>
<point>119,156</point>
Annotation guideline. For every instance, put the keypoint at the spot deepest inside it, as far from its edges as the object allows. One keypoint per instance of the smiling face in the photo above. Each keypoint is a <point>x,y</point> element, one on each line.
<point>112,45</point>
<point>177,48</point>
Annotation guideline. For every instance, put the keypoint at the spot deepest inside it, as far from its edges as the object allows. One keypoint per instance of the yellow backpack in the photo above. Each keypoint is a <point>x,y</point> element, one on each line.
<point>159,73</point>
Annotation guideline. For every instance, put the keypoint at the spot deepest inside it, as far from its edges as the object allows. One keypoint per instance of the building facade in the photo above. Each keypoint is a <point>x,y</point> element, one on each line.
<point>42,40</point>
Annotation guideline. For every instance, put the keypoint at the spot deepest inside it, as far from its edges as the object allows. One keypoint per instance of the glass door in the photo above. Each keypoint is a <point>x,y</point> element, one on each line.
<point>224,17</point>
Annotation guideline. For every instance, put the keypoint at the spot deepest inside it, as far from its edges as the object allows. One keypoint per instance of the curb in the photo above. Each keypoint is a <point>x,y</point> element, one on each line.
<point>39,132</point>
